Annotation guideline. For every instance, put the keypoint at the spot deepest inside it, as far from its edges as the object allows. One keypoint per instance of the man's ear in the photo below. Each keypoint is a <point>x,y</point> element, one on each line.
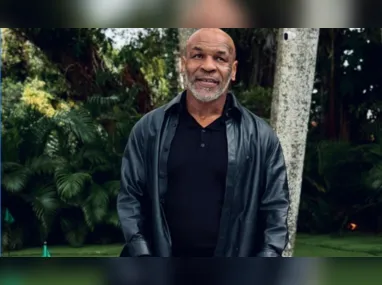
<point>234,70</point>
<point>182,64</point>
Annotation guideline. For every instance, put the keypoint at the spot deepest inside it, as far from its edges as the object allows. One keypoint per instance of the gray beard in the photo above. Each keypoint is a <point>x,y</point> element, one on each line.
<point>213,96</point>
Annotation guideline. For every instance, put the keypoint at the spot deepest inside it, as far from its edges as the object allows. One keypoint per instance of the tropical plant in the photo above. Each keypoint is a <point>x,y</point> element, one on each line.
<point>65,166</point>
<point>342,182</point>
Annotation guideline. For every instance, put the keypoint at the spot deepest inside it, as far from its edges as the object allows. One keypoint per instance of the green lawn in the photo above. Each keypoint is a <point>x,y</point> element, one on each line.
<point>335,272</point>
<point>306,246</point>
<point>354,245</point>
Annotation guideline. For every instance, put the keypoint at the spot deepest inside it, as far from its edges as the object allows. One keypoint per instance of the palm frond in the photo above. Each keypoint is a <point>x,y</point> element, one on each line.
<point>103,101</point>
<point>113,219</point>
<point>87,210</point>
<point>42,164</point>
<point>11,140</point>
<point>10,165</point>
<point>96,205</point>
<point>124,128</point>
<point>79,122</point>
<point>41,129</point>
<point>15,178</point>
<point>52,146</point>
<point>69,185</point>
<point>45,204</point>
<point>95,155</point>
<point>45,200</point>
<point>112,187</point>
<point>373,178</point>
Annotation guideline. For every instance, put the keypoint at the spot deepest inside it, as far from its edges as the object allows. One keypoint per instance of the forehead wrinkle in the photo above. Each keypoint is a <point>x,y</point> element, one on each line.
<point>217,49</point>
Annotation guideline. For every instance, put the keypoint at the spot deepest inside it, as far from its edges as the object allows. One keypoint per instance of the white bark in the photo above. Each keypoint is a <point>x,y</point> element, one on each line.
<point>293,86</point>
<point>184,34</point>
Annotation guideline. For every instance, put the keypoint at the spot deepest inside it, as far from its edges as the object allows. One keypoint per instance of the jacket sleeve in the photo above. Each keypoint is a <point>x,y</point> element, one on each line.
<point>274,204</point>
<point>133,183</point>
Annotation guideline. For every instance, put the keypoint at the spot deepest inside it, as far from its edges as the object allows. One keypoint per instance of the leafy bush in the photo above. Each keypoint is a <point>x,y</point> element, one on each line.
<point>341,183</point>
<point>258,100</point>
<point>64,167</point>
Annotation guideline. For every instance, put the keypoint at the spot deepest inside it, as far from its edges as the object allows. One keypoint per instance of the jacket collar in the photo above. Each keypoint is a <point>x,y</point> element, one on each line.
<point>235,111</point>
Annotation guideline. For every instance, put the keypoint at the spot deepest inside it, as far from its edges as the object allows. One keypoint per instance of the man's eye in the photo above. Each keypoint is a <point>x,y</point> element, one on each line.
<point>197,56</point>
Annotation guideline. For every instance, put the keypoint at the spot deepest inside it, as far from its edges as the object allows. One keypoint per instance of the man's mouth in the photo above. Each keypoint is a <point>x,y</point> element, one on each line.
<point>207,82</point>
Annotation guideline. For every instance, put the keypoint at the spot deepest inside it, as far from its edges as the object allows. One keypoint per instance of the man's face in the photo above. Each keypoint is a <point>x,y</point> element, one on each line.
<point>209,65</point>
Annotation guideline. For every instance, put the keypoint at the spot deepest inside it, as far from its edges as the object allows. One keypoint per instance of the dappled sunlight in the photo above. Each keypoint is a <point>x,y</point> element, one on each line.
<point>36,97</point>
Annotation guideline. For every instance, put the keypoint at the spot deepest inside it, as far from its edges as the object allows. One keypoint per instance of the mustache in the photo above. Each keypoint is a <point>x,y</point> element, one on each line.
<point>205,75</point>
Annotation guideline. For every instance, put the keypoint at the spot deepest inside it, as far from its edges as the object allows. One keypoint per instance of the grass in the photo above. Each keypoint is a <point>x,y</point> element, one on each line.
<point>109,250</point>
<point>354,245</point>
<point>306,246</point>
<point>335,271</point>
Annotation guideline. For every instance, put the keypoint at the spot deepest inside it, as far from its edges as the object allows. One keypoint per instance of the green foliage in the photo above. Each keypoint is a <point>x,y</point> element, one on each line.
<point>12,238</point>
<point>154,60</point>
<point>258,100</point>
<point>61,158</point>
<point>11,93</point>
<point>172,51</point>
<point>63,167</point>
<point>342,184</point>
<point>75,229</point>
<point>75,168</point>
<point>256,54</point>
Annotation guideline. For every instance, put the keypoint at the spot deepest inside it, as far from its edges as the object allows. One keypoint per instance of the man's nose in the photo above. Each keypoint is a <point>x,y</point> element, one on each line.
<point>209,64</point>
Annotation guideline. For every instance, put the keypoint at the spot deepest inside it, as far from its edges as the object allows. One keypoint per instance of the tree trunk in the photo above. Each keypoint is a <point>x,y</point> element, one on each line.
<point>184,34</point>
<point>291,102</point>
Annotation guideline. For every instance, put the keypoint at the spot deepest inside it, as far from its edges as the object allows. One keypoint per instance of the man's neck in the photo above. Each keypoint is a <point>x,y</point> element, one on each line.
<point>204,110</point>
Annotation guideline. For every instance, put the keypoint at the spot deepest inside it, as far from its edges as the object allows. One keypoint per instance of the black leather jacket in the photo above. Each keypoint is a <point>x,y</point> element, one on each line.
<point>254,214</point>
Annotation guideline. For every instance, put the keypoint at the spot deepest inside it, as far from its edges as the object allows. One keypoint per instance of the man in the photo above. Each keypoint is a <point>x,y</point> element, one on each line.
<point>202,176</point>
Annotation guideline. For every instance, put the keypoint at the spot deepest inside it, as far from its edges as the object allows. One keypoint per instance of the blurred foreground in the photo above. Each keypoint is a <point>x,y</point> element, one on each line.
<point>215,271</point>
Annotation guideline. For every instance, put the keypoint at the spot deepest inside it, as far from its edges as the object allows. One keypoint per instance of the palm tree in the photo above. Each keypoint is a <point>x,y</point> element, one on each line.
<point>65,168</point>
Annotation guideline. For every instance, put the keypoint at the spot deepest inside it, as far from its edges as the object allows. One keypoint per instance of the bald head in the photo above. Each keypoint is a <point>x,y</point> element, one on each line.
<point>209,64</point>
<point>211,36</point>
